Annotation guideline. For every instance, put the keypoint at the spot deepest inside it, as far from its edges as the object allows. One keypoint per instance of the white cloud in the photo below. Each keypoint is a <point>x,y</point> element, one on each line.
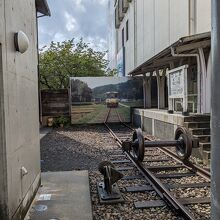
<point>97,43</point>
<point>71,23</point>
<point>58,37</point>
<point>77,19</point>
<point>79,5</point>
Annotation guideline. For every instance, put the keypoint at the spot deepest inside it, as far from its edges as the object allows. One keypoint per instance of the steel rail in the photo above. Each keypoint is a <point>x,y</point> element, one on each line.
<point>107,116</point>
<point>161,190</point>
<point>157,185</point>
<point>189,165</point>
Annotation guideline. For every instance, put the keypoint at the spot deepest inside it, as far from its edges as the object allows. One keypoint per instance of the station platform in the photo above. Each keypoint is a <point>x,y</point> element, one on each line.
<point>62,196</point>
<point>161,124</point>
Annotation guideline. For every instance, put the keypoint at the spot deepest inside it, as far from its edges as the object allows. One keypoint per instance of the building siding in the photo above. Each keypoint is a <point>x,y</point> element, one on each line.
<point>156,24</point>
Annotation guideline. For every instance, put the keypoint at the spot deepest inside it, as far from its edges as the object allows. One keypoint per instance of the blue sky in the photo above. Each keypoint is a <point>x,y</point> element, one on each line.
<point>75,19</point>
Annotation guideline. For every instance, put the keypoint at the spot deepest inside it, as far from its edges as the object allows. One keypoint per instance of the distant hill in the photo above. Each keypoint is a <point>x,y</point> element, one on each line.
<point>132,89</point>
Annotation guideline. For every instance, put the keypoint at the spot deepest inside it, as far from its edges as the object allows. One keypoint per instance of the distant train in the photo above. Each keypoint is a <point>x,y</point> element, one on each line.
<point>112,99</point>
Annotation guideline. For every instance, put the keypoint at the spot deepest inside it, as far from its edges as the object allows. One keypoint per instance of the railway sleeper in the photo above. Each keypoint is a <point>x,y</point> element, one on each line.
<point>147,187</point>
<point>161,203</point>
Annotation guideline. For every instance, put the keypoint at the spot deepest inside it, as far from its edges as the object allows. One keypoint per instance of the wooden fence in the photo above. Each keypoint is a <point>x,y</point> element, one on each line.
<point>55,103</point>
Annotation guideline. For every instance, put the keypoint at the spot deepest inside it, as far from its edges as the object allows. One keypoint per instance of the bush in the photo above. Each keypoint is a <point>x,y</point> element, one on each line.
<point>62,120</point>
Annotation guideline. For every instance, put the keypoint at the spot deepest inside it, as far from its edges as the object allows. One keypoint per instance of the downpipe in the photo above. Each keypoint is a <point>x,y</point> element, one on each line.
<point>215,112</point>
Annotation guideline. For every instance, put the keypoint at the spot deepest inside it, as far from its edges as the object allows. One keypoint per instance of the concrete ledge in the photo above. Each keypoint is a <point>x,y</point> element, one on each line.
<point>161,115</point>
<point>63,195</point>
<point>158,122</point>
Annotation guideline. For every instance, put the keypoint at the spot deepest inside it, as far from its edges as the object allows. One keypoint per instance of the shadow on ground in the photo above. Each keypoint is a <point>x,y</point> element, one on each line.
<point>62,153</point>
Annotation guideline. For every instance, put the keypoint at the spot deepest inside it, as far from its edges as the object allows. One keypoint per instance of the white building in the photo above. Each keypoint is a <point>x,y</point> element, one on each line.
<point>111,36</point>
<point>154,37</point>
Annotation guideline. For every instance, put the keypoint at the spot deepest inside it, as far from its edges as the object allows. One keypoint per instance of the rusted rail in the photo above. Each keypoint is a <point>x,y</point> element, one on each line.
<point>160,188</point>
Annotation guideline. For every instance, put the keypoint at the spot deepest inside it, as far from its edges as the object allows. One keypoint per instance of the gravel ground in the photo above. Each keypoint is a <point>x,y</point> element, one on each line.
<point>76,148</point>
<point>83,148</point>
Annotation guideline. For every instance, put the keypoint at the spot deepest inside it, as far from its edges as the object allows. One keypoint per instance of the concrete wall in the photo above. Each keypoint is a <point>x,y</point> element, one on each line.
<point>203,16</point>
<point>156,24</point>
<point>157,123</point>
<point>19,122</point>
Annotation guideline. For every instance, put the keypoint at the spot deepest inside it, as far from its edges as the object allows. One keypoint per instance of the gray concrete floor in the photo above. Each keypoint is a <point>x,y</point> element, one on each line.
<point>44,131</point>
<point>63,196</point>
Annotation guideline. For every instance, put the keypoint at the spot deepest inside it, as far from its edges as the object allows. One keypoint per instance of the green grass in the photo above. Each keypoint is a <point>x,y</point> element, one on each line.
<point>99,114</point>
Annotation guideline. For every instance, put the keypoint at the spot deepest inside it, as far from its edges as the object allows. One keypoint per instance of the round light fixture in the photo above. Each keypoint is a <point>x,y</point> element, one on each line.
<point>21,42</point>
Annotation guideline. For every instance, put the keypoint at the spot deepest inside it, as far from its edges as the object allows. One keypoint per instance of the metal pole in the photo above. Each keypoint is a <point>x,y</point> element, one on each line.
<point>215,114</point>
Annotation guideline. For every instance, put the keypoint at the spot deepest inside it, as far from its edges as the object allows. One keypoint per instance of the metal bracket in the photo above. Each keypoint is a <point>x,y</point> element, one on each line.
<point>108,190</point>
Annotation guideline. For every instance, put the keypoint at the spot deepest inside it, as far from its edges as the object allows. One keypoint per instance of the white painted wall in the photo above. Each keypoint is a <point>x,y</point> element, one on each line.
<point>149,23</point>
<point>111,35</point>
<point>203,16</point>
<point>19,110</point>
<point>129,45</point>
<point>159,24</point>
<point>179,19</point>
<point>140,31</point>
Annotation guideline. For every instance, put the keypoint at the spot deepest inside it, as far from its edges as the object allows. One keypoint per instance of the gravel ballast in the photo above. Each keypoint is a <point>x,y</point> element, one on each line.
<point>84,147</point>
<point>75,148</point>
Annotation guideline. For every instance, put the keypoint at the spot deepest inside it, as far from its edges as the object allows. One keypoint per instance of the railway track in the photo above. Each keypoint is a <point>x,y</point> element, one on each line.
<point>163,172</point>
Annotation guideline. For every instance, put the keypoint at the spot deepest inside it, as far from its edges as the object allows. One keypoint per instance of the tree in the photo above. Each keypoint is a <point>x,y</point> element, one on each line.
<point>60,61</point>
<point>80,91</point>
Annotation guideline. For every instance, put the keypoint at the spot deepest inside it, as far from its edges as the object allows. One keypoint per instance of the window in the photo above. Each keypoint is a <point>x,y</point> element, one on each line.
<point>127,30</point>
<point>123,37</point>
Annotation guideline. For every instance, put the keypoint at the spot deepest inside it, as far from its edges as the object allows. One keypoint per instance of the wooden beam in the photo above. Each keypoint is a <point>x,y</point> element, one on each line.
<point>164,61</point>
<point>201,44</point>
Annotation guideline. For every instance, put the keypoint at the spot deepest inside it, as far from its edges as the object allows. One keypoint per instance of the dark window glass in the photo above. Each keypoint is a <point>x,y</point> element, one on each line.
<point>127,30</point>
<point>123,37</point>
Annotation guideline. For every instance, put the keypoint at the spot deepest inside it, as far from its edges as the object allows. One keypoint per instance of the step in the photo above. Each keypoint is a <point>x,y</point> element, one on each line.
<point>201,124</point>
<point>206,157</point>
<point>205,146</point>
<point>203,138</point>
<point>197,118</point>
<point>200,131</point>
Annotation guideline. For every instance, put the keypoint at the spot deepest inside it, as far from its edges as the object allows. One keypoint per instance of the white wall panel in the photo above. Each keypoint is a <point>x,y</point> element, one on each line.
<point>149,27</point>
<point>159,23</point>
<point>140,31</point>
<point>129,45</point>
<point>203,21</point>
<point>179,19</point>
<point>162,27</point>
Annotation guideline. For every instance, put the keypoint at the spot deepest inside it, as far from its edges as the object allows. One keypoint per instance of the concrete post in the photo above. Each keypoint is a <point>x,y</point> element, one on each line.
<point>147,91</point>
<point>161,89</point>
<point>215,112</point>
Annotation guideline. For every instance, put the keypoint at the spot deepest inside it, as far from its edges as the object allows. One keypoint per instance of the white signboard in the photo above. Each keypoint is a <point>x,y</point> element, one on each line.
<point>177,85</point>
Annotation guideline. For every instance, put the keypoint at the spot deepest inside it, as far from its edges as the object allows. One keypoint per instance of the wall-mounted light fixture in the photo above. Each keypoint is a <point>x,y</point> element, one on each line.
<point>21,42</point>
